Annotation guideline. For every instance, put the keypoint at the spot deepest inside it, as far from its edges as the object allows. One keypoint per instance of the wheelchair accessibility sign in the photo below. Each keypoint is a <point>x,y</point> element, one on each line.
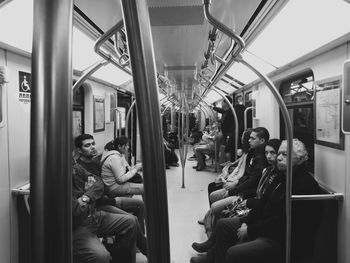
<point>24,86</point>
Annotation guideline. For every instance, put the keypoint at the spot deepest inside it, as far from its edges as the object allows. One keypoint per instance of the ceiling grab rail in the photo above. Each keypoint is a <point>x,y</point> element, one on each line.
<point>245,116</point>
<point>88,73</point>
<point>141,52</point>
<point>289,135</point>
<point>234,117</point>
<point>127,118</point>
<point>123,56</point>
<point>99,42</point>
<point>230,33</point>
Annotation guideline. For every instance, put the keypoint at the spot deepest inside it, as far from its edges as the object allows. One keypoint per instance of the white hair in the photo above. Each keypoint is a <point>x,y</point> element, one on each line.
<point>298,148</point>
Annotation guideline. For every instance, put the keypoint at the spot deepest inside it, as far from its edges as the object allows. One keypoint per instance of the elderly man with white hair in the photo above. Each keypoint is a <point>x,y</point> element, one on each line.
<point>260,235</point>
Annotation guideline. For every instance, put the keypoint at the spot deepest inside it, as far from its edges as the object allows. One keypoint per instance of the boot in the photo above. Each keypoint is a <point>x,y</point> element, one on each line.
<point>203,247</point>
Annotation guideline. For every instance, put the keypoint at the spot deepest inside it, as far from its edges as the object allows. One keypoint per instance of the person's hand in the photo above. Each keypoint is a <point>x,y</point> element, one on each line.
<point>138,166</point>
<point>242,232</point>
<point>225,194</point>
<point>91,180</point>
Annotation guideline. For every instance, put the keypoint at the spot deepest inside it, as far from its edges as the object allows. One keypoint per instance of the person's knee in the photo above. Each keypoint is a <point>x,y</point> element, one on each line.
<point>101,255</point>
<point>233,254</point>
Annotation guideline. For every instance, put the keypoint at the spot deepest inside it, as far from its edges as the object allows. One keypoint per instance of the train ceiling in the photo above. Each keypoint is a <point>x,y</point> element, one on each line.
<point>183,40</point>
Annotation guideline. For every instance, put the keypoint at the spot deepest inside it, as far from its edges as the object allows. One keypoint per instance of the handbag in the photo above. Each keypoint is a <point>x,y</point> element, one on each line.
<point>136,179</point>
<point>236,209</point>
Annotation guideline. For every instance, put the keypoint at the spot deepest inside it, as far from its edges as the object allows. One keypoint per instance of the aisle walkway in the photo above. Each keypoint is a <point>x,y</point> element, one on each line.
<point>186,206</point>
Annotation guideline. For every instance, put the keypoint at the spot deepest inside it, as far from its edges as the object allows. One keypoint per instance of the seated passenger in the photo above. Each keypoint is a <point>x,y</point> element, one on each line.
<point>87,164</point>
<point>247,184</point>
<point>260,236</point>
<point>116,172</point>
<point>90,224</point>
<point>171,158</point>
<point>231,173</point>
<point>212,144</point>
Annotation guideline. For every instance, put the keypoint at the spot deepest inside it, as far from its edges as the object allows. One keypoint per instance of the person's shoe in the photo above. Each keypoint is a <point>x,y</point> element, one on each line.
<point>174,164</point>
<point>167,167</point>
<point>201,221</point>
<point>192,158</point>
<point>199,259</point>
<point>202,247</point>
<point>200,168</point>
<point>195,167</point>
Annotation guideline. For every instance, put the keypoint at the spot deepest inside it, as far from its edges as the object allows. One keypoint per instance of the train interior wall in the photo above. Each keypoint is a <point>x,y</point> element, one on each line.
<point>332,167</point>
<point>15,142</point>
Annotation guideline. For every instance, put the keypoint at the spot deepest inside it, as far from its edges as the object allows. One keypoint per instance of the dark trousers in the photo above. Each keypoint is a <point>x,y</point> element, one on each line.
<point>228,249</point>
<point>87,248</point>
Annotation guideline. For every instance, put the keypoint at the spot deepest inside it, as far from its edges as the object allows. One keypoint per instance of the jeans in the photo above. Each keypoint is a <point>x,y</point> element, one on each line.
<point>87,248</point>
<point>124,189</point>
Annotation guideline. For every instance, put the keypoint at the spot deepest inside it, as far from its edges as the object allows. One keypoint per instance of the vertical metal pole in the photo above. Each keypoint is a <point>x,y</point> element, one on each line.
<point>245,116</point>
<point>289,135</point>
<point>128,117</point>
<point>139,35</point>
<point>51,132</point>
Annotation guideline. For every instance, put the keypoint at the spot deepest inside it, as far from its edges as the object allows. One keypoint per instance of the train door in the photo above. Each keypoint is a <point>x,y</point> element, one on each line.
<point>123,106</point>
<point>249,103</point>
<point>298,94</point>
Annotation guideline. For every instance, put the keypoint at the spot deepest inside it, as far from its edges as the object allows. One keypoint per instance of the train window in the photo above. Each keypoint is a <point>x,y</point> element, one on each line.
<point>248,99</point>
<point>298,94</point>
<point>298,90</point>
<point>113,105</point>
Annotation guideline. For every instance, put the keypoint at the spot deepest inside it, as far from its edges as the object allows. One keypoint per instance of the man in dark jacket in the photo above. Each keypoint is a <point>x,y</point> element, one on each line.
<point>228,125</point>
<point>260,236</point>
<point>90,224</point>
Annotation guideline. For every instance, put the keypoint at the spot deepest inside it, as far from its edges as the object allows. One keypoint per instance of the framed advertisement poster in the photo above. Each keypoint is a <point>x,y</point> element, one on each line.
<point>328,112</point>
<point>99,114</point>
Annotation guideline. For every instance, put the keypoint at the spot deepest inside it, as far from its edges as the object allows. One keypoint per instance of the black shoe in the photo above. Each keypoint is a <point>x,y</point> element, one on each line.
<point>200,168</point>
<point>195,167</point>
<point>167,167</point>
<point>199,259</point>
<point>201,221</point>
<point>202,247</point>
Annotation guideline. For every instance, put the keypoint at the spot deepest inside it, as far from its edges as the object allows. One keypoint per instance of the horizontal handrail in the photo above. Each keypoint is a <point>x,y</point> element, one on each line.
<point>88,73</point>
<point>332,196</point>
<point>22,190</point>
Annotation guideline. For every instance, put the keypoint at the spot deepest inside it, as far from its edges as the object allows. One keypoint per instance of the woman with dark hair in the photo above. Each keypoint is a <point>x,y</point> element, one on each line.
<point>116,172</point>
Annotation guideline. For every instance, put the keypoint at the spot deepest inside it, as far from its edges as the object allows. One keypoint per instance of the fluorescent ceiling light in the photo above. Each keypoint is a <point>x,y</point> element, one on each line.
<point>16,20</point>
<point>301,27</point>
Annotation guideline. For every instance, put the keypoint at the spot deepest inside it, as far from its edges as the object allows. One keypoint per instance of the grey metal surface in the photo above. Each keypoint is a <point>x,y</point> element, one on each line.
<point>51,132</point>
<point>137,25</point>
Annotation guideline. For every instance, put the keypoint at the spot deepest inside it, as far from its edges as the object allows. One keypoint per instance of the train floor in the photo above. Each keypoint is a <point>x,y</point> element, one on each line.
<point>186,206</point>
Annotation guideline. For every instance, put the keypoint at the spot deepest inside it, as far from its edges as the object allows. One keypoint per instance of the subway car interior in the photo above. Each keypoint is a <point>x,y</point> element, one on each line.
<point>184,94</point>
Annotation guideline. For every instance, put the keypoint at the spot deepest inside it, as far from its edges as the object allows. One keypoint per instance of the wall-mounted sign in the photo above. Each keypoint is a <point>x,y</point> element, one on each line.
<point>25,86</point>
